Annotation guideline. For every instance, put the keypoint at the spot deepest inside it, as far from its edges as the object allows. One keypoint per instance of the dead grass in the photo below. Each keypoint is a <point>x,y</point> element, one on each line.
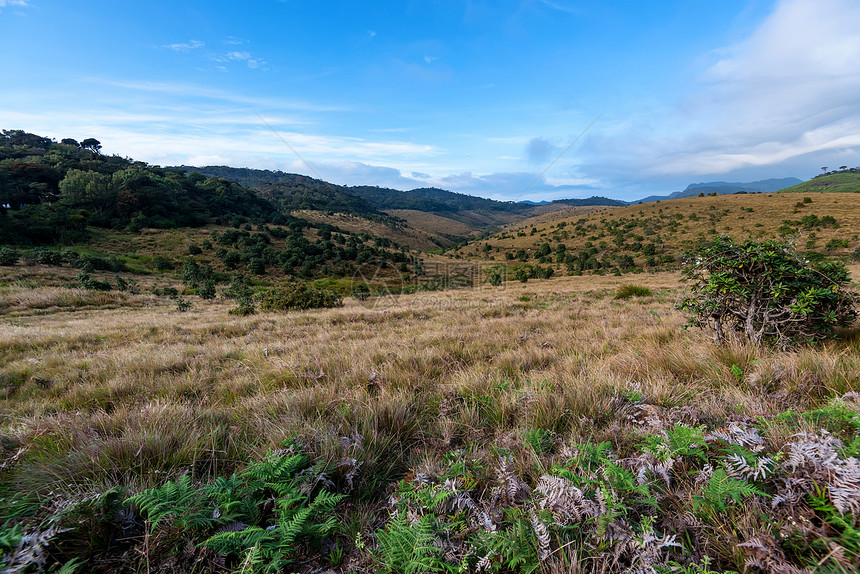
<point>85,390</point>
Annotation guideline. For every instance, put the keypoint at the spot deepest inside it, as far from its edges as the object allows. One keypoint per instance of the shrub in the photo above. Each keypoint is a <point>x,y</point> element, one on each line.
<point>207,290</point>
<point>91,284</point>
<point>9,256</point>
<point>361,291</point>
<point>296,296</point>
<point>764,292</point>
<point>163,263</point>
<point>629,290</point>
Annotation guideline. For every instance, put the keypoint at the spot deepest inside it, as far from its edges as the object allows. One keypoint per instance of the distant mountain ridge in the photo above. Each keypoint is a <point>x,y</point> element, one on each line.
<point>726,188</point>
<point>296,192</point>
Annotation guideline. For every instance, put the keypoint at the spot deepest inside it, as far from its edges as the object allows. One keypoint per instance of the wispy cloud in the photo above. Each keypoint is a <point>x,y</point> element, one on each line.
<point>185,46</point>
<point>567,7</point>
<point>190,90</point>
<point>19,3</point>
<point>242,56</point>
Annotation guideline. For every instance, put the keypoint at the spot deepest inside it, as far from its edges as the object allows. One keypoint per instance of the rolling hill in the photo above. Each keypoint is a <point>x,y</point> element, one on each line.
<point>843,181</point>
<point>653,236</point>
<point>443,217</point>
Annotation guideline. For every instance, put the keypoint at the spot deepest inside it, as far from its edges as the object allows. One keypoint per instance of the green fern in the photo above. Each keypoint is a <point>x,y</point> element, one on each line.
<point>516,545</point>
<point>171,499</point>
<point>680,441</point>
<point>424,496</point>
<point>273,548</point>
<point>274,470</point>
<point>236,543</point>
<point>848,526</point>
<point>408,548</point>
<point>720,489</point>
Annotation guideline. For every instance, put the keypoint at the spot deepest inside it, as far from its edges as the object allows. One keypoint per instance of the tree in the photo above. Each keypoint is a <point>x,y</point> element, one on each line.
<point>765,293</point>
<point>89,190</point>
<point>92,144</point>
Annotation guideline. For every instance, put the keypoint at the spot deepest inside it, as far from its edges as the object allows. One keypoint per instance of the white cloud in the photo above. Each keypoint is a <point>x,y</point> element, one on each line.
<point>781,103</point>
<point>20,3</point>
<point>789,90</point>
<point>186,46</point>
<point>246,57</point>
<point>238,56</point>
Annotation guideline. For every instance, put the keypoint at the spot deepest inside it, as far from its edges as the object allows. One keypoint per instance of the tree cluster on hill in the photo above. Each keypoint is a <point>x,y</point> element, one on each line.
<point>292,192</point>
<point>50,192</point>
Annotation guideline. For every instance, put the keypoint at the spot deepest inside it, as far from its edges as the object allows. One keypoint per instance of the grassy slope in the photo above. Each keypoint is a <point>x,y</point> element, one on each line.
<point>836,182</point>
<point>727,215</point>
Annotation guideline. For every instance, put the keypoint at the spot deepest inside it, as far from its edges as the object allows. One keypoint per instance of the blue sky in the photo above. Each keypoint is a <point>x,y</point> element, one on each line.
<point>529,99</point>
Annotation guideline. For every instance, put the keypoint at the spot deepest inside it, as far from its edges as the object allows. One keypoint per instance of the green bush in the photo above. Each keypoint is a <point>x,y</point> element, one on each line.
<point>163,263</point>
<point>765,293</point>
<point>9,256</point>
<point>207,290</point>
<point>629,290</point>
<point>296,296</point>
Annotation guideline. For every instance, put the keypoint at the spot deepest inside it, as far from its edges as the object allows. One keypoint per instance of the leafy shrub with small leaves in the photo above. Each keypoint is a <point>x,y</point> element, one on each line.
<point>765,293</point>
<point>162,263</point>
<point>207,290</point>
<point>296,296</point>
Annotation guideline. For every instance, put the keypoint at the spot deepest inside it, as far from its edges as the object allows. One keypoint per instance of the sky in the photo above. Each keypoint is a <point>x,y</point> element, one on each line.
<point>509,99</point>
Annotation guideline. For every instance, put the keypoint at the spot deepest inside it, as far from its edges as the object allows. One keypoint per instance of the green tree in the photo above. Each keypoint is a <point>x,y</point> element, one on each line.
<point>88,190</point>
<point>765,293</point>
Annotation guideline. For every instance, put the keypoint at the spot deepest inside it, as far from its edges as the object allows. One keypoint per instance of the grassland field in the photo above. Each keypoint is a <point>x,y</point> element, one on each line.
<point>107,389</point>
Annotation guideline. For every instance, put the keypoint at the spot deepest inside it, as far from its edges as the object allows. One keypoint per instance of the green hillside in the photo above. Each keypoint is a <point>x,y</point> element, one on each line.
<point>67,205</point>
<point>844,181</point>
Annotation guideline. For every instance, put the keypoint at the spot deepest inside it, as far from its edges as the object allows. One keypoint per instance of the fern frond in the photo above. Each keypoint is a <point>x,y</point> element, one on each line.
<point>408,547</point>
<point>236,543</point>
<point>172,499</point>
<point>720,488</point>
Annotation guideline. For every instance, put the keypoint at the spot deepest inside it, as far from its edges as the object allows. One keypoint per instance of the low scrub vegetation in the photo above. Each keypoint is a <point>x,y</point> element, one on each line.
<point>295,296</point>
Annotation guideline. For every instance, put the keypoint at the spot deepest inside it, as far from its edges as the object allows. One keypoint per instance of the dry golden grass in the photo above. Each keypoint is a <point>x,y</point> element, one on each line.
<point>133,394</point>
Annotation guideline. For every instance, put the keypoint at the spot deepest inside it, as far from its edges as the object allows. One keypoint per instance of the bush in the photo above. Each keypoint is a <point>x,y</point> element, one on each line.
<point>297,296</point>
<point>765,293</point>
<point>207,290</point>
<point>162,263</point>
<point>628,291</point>
<point>9,256</point>
<point>361,291</point>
